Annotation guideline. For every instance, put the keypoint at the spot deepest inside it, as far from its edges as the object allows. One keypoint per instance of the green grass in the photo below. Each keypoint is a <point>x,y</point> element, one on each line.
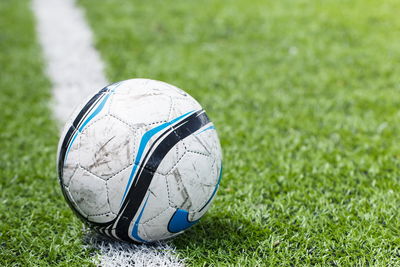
<point>36,226</point>
<point>305,96</point>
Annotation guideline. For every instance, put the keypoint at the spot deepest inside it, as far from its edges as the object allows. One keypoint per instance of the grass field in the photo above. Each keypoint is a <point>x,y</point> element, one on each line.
<point>305,97</point>
<point>36,227</point>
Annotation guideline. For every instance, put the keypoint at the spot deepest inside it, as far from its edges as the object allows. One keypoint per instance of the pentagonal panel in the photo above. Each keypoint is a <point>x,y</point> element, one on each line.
<point>157,201</point>
<point>107,147</point>
<point>140,108</point>
<point>89,193</point>
<point>116,187</point>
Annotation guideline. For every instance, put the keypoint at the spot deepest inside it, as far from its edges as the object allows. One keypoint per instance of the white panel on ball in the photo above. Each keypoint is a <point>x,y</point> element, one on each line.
<point>104,141</point>
<point>89,193</point>
<point>140,108</point>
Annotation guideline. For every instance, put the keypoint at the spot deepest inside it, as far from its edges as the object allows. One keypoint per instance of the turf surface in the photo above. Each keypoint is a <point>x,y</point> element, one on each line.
<point>305,99</point>
<point>36,226</point>
<point>305,96</point>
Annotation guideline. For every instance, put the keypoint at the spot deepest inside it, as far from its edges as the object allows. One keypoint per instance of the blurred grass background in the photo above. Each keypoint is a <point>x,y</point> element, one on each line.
<point>304,95</point>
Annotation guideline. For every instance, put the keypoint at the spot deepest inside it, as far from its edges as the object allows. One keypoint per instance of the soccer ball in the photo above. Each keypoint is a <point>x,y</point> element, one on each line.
<point>140,161</point>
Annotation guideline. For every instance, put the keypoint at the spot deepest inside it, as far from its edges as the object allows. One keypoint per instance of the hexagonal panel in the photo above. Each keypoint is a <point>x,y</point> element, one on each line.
<point>199,176</point>
<point>71,162</point>
<point>71,200</point>
<point>156,229</point>
<point>178,195</point>
<point>140,86</point>
<point>206,139</point>
<point>168,88</point>
<point>102,218</point>
<point>158,198</point>
<point>89,193</point>
<point>198,144</point>
<point>141,108</point>
<point>182,105</point>
<point>107,146</point>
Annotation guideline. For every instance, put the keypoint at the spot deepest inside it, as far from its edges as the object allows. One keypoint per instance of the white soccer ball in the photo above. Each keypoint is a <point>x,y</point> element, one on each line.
<point>140,161</point>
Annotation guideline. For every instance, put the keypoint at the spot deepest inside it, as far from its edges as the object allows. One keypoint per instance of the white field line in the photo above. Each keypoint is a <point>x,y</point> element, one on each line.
<point>73,65</point>
<point>76,71</point>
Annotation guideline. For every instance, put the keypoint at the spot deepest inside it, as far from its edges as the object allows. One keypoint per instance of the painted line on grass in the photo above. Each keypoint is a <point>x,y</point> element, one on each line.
<point>73,65</point>
<point>77,71</point>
